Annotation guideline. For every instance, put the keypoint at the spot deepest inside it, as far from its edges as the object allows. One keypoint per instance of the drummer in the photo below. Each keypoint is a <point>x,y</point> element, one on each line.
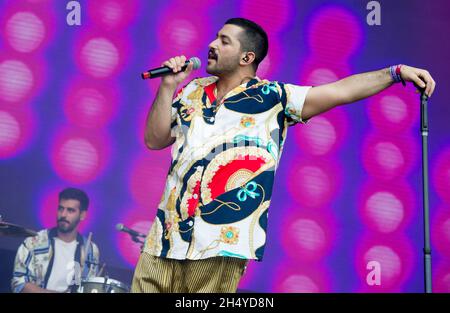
<point>57,259</point>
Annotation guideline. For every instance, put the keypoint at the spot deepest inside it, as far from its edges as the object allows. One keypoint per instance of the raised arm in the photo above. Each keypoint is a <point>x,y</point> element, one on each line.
<point>158,131</point>
<point>360,86</point>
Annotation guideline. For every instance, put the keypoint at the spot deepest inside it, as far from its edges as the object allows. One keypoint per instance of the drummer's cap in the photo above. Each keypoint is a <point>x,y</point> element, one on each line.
<point>75,194</point>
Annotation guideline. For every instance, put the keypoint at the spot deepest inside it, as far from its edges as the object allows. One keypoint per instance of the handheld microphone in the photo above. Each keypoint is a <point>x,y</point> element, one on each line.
<point>133,233</point>
<point>161,71</point>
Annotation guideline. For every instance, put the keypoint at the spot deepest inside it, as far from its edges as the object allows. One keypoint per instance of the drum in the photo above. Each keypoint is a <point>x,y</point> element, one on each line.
<point>103,285</point>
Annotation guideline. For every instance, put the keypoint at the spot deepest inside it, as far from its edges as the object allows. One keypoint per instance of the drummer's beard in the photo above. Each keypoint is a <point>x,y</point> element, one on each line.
<point>67,227</point>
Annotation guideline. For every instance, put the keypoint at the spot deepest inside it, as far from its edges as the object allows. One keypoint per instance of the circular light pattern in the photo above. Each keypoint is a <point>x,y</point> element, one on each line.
<point>311,184</point>
<point>307,238</point>
<point>25,31</point>
<point>16,126</point>
<point>393,110</point>
<point>334,34</point>
<point>387,207</point>
<point>9,133</point>
<point>393,255</point>
<point>262,13</point>
<point>441,175</point>
<point>112,14</point>
<point>88,107</point>
<point>321,76</point>
<point>290,277</point>
<point>299,284</point>
<point>319,138</point>
<point>386,159</point>
<point>390,263</point>
<point>99,57</point>
<point>385,210</point>
<point>16,80</point>
<point>78,158</point>
<point>180,36</point>
<point>48,210</point>
<point>148,177</point>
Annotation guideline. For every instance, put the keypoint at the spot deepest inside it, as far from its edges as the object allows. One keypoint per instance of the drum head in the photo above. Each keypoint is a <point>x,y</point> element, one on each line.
<point>103,285</point>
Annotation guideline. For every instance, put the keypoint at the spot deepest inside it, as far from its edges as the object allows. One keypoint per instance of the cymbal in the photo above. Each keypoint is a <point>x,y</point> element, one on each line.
<point>8,229</point>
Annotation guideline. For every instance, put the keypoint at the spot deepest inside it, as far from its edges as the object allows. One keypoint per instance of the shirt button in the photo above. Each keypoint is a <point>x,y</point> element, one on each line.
<point>191,223</point>
<point>195,196</point>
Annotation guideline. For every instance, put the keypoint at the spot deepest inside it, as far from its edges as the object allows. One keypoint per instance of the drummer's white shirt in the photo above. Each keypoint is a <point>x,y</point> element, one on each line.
<point>63,265</point>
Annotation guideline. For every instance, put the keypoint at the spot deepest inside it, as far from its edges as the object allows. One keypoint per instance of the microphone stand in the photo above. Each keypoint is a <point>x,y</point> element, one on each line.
<point>426,208</point>
<point>137,240</point>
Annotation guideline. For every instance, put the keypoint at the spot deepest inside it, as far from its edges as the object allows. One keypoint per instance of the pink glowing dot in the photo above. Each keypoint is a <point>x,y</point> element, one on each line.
<point>388,156</point>
<point>179,35</point>
<point>393,109</point>
<point>299,284</point>
<point>308,235</point>
<point>112,14</point>
<point>77,160</point>
<point>388,159</point>
<point>16,80</point>
<point>385,211</point>
<point>321,76</point>
<point>10,134</point>
<point>390,263</point>
<point>262,13</point>
<point>318,138</point>
<point>334,34</point>
<point>25,31</point>
<point>311,185</point>
<point>99,57</point>
<point>88,107</point>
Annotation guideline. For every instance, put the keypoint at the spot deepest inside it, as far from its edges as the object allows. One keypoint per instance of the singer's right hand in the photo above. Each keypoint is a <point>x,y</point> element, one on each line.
<point>176,63</point>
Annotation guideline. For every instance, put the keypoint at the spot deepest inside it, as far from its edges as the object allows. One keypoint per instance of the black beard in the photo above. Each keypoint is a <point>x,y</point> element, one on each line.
<point>69,228</point>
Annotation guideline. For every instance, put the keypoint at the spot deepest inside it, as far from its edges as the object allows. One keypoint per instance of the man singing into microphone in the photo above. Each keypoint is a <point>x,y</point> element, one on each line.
<point>228,132</point>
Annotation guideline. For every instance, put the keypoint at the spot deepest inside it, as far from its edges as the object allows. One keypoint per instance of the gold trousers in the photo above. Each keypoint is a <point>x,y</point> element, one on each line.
<point>217,274</point>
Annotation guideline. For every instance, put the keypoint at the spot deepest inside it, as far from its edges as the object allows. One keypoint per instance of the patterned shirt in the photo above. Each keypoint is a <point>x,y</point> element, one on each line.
<point>35,256</point>
<point>219,185</point>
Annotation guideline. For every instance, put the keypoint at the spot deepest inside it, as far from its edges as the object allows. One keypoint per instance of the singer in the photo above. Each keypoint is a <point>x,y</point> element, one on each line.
<point>228,132</point>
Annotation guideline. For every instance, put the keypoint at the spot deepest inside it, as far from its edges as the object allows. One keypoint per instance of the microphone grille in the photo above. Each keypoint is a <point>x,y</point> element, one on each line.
<point>196,62</point>
<point>119,226</point>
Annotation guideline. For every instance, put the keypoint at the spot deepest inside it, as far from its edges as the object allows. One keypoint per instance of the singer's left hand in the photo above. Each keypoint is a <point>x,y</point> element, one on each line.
<point>420,77</point>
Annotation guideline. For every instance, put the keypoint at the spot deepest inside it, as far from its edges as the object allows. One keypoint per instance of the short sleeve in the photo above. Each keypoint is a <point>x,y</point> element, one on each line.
<point>293,98</point>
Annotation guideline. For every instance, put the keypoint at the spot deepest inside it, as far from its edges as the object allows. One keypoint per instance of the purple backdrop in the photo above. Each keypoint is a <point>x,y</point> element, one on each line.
<point>348,191</point>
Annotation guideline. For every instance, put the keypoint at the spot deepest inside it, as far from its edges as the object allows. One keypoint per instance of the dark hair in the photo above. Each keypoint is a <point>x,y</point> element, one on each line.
<point>254,38</point>
<point>75,194</point>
